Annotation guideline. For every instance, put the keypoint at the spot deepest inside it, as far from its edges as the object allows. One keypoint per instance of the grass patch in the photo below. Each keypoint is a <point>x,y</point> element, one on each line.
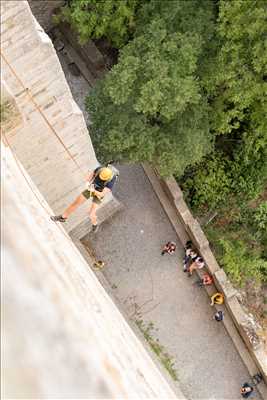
<point>165,359</point>
<point>5,109</point>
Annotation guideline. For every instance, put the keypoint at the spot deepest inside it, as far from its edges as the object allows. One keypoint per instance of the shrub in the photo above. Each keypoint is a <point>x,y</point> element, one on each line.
<point>209,184</point>
<point>240,265</point>
<point>260,217</point>
<point>93,19</point>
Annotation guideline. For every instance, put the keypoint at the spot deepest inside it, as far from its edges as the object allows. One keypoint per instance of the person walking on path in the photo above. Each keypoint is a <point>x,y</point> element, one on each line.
<point>169,248</point>
<point>99,183</point>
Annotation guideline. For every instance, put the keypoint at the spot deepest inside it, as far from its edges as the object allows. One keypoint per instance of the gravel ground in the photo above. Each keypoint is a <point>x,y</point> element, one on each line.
<point>207,363</point>
<point>155,288</point>
<point>78,85</point>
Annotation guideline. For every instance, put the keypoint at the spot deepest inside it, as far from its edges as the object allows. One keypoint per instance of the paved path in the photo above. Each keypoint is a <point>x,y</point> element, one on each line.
<point>207,363</point>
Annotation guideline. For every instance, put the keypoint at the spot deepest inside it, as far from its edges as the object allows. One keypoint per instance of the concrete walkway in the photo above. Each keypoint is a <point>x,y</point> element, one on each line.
<point>155,289</point>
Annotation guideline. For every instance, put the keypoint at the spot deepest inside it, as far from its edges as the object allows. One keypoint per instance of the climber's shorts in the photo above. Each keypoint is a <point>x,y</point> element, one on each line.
<point>88,195</point>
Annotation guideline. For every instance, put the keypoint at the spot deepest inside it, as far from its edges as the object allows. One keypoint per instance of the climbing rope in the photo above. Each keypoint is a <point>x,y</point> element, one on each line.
<point>98,264</point>
<point>37,107</point>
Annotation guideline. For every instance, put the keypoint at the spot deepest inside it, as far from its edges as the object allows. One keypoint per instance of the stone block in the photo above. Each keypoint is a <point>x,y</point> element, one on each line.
<point>43,10</point>
<point>223,284</point>
<point>181,206</point>
<point>89,52</point>
<point>197,235</point>
<point>261,357</point>
<point>210,260</point>
<point>243,324</point>
<point>172,189</point>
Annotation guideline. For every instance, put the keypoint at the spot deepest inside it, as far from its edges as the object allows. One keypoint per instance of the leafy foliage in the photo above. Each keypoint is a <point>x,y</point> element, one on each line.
<point>166,360</point>
<point>209,183</point>
<point>97,18</point>
<point>188,96</point>
<point>242,173</point>
<point>260,217</point>
<point>240,265</point>
<point>240,68</point>
<point>151,106</point>
<point>235,81</point>
<point>4,111</point>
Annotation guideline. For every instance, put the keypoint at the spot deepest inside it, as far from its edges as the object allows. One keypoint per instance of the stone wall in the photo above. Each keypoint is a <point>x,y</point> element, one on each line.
<point>62,336</point>
<point>53,143</point>
<point>43,11</point>
<point>246,326</point>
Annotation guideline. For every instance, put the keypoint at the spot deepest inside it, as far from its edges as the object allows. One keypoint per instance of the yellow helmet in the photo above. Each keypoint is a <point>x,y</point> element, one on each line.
<point>217,298</point>
<point>105,174</point>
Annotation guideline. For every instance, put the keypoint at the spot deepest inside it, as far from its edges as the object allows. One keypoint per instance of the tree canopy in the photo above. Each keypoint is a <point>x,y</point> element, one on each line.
<point>188,95</point>
<point>237,88</point>
<point>151,106</point>
<point>93,19</point>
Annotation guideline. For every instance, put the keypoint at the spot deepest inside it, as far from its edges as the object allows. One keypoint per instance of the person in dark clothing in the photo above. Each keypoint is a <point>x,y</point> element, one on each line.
<point>218,316</point>
<point>246,390</point>
<point>257,378</point>
<point>187,250</point>
<point>99,183</point>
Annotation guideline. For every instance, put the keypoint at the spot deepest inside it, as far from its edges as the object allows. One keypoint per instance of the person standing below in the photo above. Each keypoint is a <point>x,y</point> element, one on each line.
<point>100,182</point>
<point>187,254</point>
<point>217,298</point>
<point>169,248</point>
<point>246,390</point>
<point>198,263</point>
<point>218,316</point>
<point>204,281</point>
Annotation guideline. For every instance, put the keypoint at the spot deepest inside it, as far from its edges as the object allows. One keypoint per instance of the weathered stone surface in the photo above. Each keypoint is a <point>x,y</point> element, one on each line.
<point>198,235</point>
<point>88,51</point>
<point>223,284</point>
<point>43,11</point>
<point>181,206</point>
<point>210,260</point>
<point>243,323</point>
<point>63,337</point>
<point>11,117</point>
<point>172,189</point>
<point>33,75</point>
<point>246,329</point>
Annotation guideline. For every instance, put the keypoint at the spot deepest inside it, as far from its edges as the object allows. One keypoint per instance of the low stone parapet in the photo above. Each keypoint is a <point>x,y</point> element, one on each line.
<point>243,321</point>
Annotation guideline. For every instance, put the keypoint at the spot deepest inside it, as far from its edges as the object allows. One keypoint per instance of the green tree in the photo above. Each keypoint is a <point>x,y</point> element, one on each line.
<point>236,83</point>
<point>151,106</point>
<point>240,265</point>
<point>93,19</point>
<point>239,80</point>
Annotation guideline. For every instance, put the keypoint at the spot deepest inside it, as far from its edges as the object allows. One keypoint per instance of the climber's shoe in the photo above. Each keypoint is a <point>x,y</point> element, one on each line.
<point>95,228</point>
<point>58,218</point>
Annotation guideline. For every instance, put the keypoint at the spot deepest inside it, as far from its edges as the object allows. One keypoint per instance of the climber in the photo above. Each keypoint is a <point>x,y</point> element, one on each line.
<point>99,183</point>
